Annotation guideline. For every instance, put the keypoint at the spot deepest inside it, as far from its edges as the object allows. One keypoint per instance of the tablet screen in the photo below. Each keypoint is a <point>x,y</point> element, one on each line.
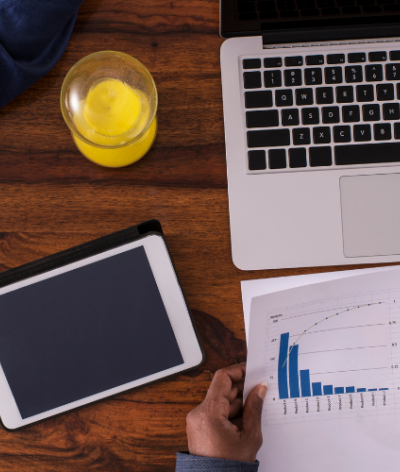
<point>83,332</point>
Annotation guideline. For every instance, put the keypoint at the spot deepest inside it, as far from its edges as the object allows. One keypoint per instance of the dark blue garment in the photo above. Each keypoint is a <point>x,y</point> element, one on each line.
<point>33,37</point>
<point>189,463</point>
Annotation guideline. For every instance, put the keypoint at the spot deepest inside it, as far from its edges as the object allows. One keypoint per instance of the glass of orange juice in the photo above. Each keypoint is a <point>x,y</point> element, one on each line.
<point>109,102</point>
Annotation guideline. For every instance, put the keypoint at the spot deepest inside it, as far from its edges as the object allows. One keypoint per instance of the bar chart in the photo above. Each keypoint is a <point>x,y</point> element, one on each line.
<point>334,359</point>
<point>293,383</point>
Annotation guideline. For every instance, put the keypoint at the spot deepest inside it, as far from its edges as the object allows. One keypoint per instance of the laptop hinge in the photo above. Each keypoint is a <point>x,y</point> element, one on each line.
<point>331,36</point>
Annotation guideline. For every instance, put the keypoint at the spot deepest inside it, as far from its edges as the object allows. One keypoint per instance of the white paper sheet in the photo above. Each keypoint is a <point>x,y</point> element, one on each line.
<point>255,288</point>
<point>341,335</point>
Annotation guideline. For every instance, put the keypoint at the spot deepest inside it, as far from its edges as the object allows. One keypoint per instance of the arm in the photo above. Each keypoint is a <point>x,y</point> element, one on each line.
<point>222,434</point>
<point>33,37</point>
<point>189,463</point>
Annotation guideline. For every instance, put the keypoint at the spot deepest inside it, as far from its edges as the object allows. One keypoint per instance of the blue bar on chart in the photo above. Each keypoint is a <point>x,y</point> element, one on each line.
<point>383,389</point>
<point>305,383</point>
<point>328,389</point>
<point>317,389</point>
<point>339,390</point>
<point>350,389</point>
<point>283,367</point>
<point>294,372</point>
<point>372,389</point>
<point>361,390</point>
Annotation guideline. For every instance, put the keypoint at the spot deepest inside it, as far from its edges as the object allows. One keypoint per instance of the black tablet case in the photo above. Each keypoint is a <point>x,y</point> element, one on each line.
<point>89,249</point>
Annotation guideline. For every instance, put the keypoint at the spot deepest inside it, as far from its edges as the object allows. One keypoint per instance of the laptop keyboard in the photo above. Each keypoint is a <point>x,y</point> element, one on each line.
<point>322,110</point>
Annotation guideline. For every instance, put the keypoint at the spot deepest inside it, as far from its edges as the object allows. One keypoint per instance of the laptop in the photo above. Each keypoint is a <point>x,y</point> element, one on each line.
<point>311,94</point>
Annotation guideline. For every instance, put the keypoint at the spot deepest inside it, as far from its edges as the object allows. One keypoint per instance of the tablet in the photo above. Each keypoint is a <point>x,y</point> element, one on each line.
<point>90,329</point>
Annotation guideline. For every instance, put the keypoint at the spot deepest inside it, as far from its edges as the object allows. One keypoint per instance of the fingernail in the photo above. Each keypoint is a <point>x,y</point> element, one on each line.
<point>262,391</point>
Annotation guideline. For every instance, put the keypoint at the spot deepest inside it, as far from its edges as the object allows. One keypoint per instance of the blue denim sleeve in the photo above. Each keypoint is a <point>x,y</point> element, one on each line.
<point>33,37</point>
<point>189,463</point>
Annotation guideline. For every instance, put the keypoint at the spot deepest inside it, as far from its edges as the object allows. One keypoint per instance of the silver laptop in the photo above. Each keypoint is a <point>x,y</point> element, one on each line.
<point>311,94</point>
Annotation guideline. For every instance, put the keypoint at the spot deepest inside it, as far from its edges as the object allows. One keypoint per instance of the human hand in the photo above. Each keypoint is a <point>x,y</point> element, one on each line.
<point>220,427</point>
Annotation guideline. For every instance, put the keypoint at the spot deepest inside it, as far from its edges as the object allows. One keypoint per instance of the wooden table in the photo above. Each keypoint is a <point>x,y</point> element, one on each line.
<point>52,198</point>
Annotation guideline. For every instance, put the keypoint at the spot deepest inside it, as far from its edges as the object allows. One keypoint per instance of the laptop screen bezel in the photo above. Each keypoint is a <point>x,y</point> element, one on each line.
<point>320,29</point>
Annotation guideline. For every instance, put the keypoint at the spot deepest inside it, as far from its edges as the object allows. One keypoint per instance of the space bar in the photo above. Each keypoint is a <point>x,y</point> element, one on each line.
<point>367,153</point>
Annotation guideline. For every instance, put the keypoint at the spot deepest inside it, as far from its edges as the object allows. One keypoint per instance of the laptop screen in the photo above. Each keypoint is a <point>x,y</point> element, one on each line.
<point>257,17</point>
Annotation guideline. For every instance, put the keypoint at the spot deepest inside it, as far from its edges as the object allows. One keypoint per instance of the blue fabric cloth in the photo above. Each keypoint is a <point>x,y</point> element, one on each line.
<point>189,463</point>
<point>33,37</point>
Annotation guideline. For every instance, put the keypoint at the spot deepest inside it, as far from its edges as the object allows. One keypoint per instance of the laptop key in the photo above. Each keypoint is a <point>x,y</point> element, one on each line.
<point>362,133</point>
<point>324,95</point>
<point>293,61</point>
<point>344,94</point>
<point>372,153</point>
<point>335,59</point>
<point>271,62</point>
<point>394,55</point>
<point>382,132</point>
<point>251,63</point>
<point>391,8</point>
<point>246,7</point>
<point>252,80</point>
<point>262,99</point>
<point>333,75</point>
<point>320,156</point>
<point>351,114</point>
<point>330,11</point>
<point>341,134</point>
<point>393,71</point>
<point>371,113</point>
<point>355,57</point>
<point>322,134</point>
<point>314,60</point>
<point>365,93</point>
<point>268,138</point>
<point>377,56</point>
<point>372,9</point>
<point>391,111</point>
<point>385,92</point>
<point>373,73</point>
<point>353,74</point>
<point>262,119</point>
<point>293,77</point>
<point>330,115</point>
<point>297,157</point>
<point>290,117</point>
<point>310,116</point>
<point>304,96</point>
<point>397,131</point>
<point>301,136</point>
<point>257,160</point>
<point>283,98</point>
<point>276,158</point>
<point>265,5</point>
<point>313,76</point>
<point>272,78</point>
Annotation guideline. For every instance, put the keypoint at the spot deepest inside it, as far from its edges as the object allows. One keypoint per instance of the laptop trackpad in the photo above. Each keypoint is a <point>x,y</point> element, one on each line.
<point>370,215</point>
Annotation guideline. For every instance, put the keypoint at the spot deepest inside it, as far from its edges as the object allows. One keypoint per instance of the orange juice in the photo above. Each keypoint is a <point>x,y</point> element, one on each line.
<point>109,102</point>
<point>109,111</point>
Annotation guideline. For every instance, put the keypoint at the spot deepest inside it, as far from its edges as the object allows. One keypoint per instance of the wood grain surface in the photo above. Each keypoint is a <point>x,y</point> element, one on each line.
<point>52,198</point>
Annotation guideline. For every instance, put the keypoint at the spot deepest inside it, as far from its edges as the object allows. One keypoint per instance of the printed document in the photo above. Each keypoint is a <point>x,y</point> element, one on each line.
<point>330,353</point>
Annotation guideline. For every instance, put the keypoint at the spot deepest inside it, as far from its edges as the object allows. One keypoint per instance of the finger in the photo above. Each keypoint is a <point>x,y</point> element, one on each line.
<point>237,422</point>
<point>223,380</point>
<point>237,391</point>
<point>252,412</point>
<point>235,408</point>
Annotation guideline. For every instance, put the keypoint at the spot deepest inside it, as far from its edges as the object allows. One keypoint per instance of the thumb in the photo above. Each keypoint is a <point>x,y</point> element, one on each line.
<point>252,411</point>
